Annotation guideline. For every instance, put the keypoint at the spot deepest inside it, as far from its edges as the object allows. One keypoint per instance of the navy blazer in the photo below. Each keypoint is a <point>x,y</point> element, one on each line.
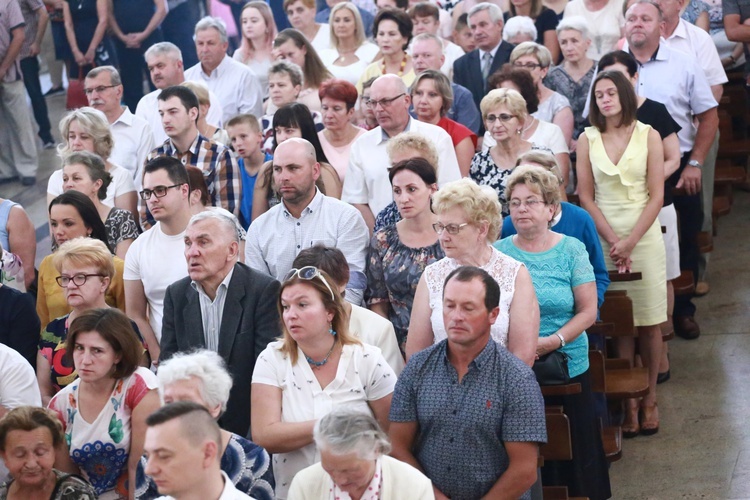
<point>249,322</point>
<point>467,70</point>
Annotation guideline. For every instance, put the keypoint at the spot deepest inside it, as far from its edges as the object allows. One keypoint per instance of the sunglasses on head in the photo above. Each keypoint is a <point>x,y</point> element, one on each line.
<point>308,273</point>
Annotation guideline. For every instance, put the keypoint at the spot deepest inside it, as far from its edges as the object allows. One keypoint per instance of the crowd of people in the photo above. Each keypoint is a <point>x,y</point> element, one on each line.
<point>331,250</point>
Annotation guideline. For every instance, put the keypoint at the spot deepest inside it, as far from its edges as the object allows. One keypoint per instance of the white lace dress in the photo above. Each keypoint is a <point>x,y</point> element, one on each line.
<point>501,267</point>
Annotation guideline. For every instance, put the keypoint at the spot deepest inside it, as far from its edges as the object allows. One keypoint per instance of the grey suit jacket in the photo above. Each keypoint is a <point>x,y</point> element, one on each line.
<point>249,322</point>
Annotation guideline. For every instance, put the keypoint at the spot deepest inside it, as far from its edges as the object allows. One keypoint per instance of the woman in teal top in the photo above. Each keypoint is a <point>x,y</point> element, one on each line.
<point>566,290</point>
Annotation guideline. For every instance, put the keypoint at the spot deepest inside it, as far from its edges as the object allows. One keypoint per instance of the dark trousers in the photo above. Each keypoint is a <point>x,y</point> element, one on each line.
<point>30,69</point>
<point>174,29</point>
<point>133,69</point>
<point>690,216</point>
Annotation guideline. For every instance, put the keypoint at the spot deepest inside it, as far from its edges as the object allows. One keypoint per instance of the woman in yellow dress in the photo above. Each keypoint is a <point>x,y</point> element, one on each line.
<point>621,184</point>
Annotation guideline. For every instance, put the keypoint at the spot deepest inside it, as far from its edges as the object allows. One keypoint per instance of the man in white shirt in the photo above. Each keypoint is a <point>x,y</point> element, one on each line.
<point>183,447</point>
<point>235,84</point>
<point>132,135</point>
<point>155,260</point>
<point>675,79</point>
<point>306,217</point>
<point>426,19</point>
<point>366,185</point>
<point>164,61</point>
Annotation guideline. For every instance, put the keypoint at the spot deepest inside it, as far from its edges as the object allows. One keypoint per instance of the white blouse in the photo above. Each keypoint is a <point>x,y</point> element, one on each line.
<point>352,72</point>
<point>363,375</point>
<point>122,183</point>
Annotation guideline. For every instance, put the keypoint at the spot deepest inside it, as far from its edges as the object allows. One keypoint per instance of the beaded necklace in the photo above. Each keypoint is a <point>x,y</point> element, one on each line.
<point>318,364</point>
<point>403,65</point>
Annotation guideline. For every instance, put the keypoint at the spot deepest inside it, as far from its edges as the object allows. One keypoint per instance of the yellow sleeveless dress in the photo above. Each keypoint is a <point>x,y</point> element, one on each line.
<point>621,193</point>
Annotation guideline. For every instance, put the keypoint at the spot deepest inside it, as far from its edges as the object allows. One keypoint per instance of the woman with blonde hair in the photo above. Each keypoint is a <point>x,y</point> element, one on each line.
<point>504,114</point>
<point>207,130</point>
<point>292,45</point>
<point>350,52</point>
<point>316,366</point>
<point>258,29</point>
<point>553,107</point>
<point>468,222</point>
<point>87,129</point>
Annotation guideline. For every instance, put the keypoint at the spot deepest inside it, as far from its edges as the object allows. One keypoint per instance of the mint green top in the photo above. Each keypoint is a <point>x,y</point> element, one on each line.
<point>555,273</point>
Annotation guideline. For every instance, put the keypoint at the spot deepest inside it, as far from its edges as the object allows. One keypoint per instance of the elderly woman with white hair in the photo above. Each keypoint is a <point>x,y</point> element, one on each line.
<point>201,377</point>
<point>573,77</point>
<point>354,463</point>
<point>519,29</point>
<point>553,107</point>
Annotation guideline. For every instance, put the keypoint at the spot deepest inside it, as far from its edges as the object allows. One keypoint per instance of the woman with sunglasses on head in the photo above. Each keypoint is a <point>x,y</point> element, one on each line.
<point>504,114</point>
<point>293,120</point>
<point>317,365</point>
<point>73,215</point>
<point>468,223</point>
<point>84,271</point>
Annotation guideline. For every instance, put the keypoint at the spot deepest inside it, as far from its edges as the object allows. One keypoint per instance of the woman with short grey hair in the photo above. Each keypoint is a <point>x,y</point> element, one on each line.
<point>354,462</point>
<point>202,377</point>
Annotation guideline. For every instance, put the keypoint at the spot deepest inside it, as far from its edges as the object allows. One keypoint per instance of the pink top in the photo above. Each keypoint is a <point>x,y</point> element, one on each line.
<point>338,157</point>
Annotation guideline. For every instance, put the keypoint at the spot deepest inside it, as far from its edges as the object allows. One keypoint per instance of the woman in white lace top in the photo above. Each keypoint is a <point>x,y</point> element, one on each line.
<point>468,223</point>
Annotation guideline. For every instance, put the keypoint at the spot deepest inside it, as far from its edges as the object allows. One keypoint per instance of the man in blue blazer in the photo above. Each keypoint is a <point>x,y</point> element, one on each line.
<point>223,306</point>
<point>486,24</point>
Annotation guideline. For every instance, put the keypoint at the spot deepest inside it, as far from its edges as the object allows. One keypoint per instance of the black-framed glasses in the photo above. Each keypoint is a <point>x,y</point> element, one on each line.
<point>99,89</point>
<point>77,279</point>
<point>308,273</point>
<point>451,228</point>
<point>158,191</point>
<point>372,103</point>
<point>526,65</point>
<point>503,117</point>
<point>530,204</point>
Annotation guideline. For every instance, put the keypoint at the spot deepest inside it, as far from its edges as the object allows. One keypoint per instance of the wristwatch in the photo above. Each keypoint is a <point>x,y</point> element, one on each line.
<point>562,339</point>
<point>696,164</point>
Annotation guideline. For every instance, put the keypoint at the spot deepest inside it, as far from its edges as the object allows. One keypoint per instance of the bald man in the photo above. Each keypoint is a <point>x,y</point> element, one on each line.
<point>222,305</point>
<point>366,185</point>
<point>306,217</point>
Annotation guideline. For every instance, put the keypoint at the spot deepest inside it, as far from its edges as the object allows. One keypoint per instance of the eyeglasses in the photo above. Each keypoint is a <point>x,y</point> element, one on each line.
<point>158,191</point>
<point>372,104</point>
<point>308,273</point>
<point>503,117</point>
<point>451,228</point>
<point>77,279</point>
<point>530,204</point>
<point>527,65</point>
<point>99,89</point>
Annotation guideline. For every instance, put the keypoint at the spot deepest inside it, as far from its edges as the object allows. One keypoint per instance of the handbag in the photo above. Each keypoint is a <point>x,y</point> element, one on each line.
<point>552,369</point>
<point>76,97</point>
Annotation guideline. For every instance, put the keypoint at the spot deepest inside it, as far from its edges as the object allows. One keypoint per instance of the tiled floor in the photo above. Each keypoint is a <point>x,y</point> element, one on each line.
<point>703,447</point>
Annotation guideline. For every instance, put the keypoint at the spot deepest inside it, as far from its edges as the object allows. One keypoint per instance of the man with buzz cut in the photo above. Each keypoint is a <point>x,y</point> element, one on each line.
<point>183,448</point>
<point>466,411</point>
<point>166,68</point>
<point>306,217</point>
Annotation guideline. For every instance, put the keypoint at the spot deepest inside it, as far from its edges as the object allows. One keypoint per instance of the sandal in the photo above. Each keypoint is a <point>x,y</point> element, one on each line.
<point>649,419</point>
<point>630,425</point>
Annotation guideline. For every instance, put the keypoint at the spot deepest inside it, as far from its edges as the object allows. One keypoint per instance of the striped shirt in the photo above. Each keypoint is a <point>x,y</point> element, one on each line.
<point>219,166</point>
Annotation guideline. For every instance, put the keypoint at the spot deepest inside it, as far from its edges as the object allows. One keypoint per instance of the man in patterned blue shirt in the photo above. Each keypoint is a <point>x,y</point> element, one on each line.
<point>466,411</point>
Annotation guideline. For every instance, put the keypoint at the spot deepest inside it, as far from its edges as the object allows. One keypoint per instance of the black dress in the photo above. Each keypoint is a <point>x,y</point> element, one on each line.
<point>655,114</point>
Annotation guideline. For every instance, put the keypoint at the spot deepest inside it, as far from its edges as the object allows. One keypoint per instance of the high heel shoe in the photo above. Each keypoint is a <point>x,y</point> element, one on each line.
<point>649,419</point>
<point>631,424</point>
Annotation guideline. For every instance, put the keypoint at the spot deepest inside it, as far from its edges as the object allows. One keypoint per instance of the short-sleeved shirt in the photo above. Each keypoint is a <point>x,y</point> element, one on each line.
<point>555,273</point>
<point>11,18</point>
<point>576,92</point>
<point>464,424</point>
<point>687,94</point>
<point>30,11</point>
<point>655,114</point>
<point>101,448</point>
<point>363,375</point>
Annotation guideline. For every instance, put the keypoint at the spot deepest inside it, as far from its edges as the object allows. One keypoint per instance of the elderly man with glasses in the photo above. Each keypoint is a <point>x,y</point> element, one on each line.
<point>366,185</point>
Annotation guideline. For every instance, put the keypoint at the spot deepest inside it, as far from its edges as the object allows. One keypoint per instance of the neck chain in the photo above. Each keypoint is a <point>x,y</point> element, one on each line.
<point>403,65</point>
<point>317,364</point>
<point>526,128</point>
